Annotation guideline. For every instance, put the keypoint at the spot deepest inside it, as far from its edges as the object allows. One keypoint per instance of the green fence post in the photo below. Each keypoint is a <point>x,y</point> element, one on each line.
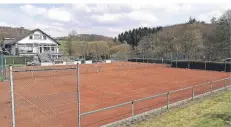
<point>205,65</point>
<point>24,60</point>
<point>5,68</point>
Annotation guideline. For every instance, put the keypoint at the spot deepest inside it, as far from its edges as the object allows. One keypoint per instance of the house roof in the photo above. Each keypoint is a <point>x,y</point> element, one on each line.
<point>9,41</point>
<point>15,40</point>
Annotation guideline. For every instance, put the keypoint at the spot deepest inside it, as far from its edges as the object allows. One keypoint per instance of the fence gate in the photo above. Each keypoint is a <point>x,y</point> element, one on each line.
<point>2,67</point>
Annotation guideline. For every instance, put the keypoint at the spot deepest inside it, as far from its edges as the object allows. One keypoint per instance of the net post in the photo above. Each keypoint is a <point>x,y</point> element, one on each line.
<point>12,97</point>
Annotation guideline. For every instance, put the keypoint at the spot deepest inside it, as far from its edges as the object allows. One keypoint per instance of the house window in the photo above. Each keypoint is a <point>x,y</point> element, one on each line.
<point>46,48</point>
<point>31,37</point>
<point>37,36</point>
<point>44,37</point>
<point>52,49</point>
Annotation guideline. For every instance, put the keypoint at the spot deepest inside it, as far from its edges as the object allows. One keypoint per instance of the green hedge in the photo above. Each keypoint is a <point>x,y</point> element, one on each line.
<point>17,60</point>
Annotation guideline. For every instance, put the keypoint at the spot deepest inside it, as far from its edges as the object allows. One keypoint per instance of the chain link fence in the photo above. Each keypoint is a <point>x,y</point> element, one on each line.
<point>18,60</point>
<point>50,95</point>
<point>128,111</point>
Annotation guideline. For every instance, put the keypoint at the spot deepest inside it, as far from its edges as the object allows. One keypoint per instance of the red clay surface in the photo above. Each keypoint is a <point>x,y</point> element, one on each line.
<point>49,99</point>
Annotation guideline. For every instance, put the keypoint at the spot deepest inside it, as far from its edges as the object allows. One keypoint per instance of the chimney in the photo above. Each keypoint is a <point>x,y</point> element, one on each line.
<point>21,31</point>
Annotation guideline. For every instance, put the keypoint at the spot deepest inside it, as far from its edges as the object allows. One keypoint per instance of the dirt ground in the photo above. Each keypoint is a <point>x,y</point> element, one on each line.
<point>49,98</point>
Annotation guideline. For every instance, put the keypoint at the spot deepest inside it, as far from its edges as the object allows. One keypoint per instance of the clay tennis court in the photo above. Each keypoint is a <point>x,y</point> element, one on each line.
<point>49,98</point>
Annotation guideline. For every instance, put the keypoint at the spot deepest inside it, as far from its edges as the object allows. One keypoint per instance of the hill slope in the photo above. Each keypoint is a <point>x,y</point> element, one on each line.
<point>88,37</point>
<point>9,32</point>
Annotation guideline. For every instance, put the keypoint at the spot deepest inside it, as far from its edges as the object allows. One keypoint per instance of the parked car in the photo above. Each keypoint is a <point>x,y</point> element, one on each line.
<point>30,63</point>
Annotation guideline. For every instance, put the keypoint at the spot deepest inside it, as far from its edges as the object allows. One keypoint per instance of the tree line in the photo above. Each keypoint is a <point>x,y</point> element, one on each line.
<point>191,40</point>
<point>134,36</point>
<point>194,40</point>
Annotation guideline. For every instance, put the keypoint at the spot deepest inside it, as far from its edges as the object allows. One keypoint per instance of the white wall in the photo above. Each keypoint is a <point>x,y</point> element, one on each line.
<point>88,62</point>
<point>108,61</point>
<point>35,49</point>
<point>46,64</point>
<point>13,50</point>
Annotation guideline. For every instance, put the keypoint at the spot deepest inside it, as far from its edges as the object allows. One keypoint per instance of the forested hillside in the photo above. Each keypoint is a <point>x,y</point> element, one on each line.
<point>193,40</point>
<point>88,37</point>
<point>10,32</point>
<point>133,37</point>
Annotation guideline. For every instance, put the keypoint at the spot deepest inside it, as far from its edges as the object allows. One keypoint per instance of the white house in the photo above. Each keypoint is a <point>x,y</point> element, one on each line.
<point>34,43</point>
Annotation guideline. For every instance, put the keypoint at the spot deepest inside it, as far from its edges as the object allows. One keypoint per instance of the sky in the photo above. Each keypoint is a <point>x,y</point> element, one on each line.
<point>105,18</point>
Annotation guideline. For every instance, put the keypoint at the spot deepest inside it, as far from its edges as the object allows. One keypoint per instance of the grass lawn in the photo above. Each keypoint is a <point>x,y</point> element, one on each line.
<point>211,111</point>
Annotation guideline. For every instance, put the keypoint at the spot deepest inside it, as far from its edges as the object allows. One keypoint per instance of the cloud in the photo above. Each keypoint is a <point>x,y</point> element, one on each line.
<point>101,8</point>
<point>7,24</point>
<point>142,16</point>
<point>33,10</point>
<point>105,18</point>
<point>80,7</point>
<point>57,24</point>
<point>58,14</point>
<point>207,16</point>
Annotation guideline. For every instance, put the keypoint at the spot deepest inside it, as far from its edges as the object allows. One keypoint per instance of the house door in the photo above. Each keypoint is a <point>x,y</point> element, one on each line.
<point>41,50</point>
<point>16,51</point>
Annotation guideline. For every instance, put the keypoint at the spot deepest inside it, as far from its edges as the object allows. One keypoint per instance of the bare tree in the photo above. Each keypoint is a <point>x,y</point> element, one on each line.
<point>190,41</point>
<point>69,44</point>
<point>223,33</point>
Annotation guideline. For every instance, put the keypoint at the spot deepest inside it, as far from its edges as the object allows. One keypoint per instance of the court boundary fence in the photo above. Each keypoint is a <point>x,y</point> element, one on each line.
<point>162,109</point>
<point>131,103</point>
<point>167,94</point>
